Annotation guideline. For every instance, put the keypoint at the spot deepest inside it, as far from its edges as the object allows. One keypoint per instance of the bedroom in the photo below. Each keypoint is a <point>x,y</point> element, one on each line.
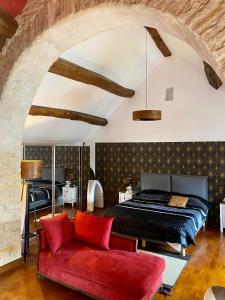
<point>188,140</point>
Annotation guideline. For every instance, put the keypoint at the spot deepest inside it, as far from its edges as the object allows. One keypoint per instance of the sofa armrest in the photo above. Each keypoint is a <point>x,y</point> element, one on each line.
<point>42,240</point>
<point>123,242</point>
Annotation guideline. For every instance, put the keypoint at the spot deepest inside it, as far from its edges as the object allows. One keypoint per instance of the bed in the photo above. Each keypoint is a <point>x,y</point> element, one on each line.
<point>149,217</point>
<point>40,192</point>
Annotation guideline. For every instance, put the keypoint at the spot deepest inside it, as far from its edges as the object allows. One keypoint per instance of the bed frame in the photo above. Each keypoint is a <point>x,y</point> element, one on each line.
<point>185,184</point>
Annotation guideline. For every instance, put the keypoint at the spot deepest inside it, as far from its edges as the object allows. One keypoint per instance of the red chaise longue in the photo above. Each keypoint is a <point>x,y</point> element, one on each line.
<point>84,255</point>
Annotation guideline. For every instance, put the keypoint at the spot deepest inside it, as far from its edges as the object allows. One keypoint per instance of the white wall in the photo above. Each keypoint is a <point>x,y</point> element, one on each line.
<point>197,112</point>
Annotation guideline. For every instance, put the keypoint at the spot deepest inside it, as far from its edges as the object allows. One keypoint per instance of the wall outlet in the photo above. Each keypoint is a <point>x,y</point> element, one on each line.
<point>169,94</point>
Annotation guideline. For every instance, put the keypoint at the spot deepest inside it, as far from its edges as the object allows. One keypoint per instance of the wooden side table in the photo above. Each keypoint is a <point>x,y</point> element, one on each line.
<point>222,216</point>
<point>70,195</point>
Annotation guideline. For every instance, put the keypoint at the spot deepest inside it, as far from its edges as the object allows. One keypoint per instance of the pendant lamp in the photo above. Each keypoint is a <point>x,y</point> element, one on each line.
<point>147,114</point>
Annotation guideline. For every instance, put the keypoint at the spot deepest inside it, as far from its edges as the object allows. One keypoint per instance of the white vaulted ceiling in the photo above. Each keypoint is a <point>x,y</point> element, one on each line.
<point>118,55</point>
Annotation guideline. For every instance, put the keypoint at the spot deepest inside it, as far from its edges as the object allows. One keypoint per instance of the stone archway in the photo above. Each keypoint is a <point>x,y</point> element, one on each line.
<point>48,28</point>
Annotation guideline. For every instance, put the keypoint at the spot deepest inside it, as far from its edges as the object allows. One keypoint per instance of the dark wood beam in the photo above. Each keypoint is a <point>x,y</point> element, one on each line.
<point>8,27</point>
<point>70,70</point>
<point>212,77</point>
<point>66,114</point>
<point>159,41</point>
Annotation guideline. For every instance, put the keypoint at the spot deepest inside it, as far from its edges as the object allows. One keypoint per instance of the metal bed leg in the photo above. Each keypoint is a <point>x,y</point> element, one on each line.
<point>203,226</point>
<point>35,217</point>
<point>143,243</point>
<point>183,251</point>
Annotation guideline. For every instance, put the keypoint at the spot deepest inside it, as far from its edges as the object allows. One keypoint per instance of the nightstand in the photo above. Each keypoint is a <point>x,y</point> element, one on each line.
<point>70,195</point>
<point>124,196</point>
<point>222,216</point>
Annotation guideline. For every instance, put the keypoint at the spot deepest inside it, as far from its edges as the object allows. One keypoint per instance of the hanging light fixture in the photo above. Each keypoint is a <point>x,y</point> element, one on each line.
<point>146,114</point>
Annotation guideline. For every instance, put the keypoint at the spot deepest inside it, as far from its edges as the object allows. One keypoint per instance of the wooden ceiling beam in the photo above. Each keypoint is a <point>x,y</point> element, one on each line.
<point>70,70</point>
<point>8,27</point>
<point>159,41</point>
<point>66,114</point>
<point>212,77</point>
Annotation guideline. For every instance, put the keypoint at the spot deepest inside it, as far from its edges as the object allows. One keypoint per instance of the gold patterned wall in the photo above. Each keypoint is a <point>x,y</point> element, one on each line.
<point>115,161</point>
<point>39,152</point>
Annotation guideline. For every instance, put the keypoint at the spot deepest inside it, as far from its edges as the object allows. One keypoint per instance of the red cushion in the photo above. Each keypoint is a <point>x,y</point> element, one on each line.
<point>58,231</point>
<point>93,230</point>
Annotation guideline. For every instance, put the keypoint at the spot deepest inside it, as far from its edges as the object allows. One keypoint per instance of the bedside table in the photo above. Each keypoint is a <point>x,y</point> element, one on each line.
<point>124,197</point>
<point>222,216</point>
<point>70,195</point>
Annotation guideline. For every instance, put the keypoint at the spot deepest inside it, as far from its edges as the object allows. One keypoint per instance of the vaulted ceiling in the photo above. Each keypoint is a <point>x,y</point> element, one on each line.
<point>118,55</point>
<point>112,61</point>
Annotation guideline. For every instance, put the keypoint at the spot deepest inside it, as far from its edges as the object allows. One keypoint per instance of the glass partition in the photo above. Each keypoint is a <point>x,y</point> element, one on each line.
<point>39,190</point>
<point>64,181</point>
<point>67,178</point>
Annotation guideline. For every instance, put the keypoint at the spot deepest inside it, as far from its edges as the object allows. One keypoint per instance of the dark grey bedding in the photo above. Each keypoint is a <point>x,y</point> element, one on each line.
<point>148,216</point>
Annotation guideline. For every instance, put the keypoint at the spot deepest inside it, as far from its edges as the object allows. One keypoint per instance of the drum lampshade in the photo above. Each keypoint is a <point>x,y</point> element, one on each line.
<point>31,169</point>
<point>147,115</point>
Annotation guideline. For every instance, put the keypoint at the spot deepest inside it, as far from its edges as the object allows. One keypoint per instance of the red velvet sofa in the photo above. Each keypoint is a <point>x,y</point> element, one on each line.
<point>118,274</point>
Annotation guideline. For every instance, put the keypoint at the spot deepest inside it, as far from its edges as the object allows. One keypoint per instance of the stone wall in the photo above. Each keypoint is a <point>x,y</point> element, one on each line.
<point>49,27</point>
<point>10,207</point>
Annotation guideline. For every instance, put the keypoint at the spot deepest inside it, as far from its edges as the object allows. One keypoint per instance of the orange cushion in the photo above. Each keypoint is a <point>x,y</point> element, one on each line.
<point>178,201</point>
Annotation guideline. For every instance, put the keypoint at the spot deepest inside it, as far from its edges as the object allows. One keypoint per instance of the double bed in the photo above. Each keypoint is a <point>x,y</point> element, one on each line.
<point>149,217</point>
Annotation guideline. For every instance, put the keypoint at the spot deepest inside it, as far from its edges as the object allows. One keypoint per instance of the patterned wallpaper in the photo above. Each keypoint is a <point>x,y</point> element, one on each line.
<point>39,152</point>
<point>65,157</point>
<point>115,161</point>
<point>68,157</point>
